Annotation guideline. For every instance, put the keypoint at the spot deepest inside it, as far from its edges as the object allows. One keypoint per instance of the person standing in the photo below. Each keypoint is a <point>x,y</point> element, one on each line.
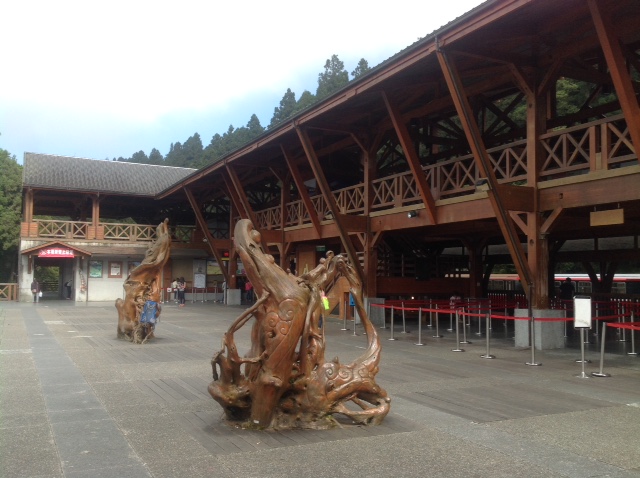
<point>69,285</point>
<point>35,290</point>
<point>567,291</point>
<point>181,287</point>
<point>174,287</point>
<point>248,287</point>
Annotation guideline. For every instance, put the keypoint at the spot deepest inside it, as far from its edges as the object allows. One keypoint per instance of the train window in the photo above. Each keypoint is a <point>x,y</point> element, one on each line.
<point>619,288</point>
<point>497,285</point>
<point>583,287</point>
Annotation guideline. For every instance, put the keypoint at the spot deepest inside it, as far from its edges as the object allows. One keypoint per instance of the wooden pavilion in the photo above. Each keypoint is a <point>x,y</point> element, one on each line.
<point>452,156</point>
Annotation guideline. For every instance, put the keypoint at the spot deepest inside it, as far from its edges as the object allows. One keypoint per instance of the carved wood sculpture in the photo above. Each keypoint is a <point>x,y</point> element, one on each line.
<point>284,382</point>
<point>143,285</point>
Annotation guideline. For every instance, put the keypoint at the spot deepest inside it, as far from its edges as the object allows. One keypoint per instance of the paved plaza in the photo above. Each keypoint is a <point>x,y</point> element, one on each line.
<point>77,402</point>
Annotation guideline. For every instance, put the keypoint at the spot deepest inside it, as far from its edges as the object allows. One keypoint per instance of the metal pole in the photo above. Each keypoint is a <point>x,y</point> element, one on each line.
<point>633,337</point>
<point>601,372</point>
<point>437,336</point>
<point>384,318</point>
<point>404,323</point>
<point>582,374</point>
<point>344,323</point>
<point>430,314</point>
<point>457,349</point>
<point>487,355</point>
<point>420,326</point>
<point>392,337</point>
<point>464,329</point>
<point>533,330</point>
<point>450,329</point>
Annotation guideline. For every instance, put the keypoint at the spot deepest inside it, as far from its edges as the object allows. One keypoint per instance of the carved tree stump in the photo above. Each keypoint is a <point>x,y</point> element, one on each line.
<point>284,381</point>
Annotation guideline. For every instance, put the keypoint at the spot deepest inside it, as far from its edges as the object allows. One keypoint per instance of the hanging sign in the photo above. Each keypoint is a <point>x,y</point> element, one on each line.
<point>55,252</point>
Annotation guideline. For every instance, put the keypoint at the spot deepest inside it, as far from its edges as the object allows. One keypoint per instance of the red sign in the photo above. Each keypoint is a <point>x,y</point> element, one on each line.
<point>55,252</point>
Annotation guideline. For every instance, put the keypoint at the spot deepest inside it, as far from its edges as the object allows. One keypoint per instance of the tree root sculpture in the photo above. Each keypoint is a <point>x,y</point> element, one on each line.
<point>143,286</point>
<point>284,381</point>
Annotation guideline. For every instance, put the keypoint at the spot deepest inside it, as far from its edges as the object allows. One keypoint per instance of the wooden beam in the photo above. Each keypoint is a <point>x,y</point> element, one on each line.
<point>302,189</point>
<point>338,218</point>
<point>517,198</point>
<point>205,229</point>
<point>241,195</point>
<point>483,162</point>
<point>614,55</point>
<point>412,158</point>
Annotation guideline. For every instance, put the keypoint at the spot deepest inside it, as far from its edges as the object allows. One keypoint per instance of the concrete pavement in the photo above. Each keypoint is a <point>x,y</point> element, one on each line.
<point>77,402</point>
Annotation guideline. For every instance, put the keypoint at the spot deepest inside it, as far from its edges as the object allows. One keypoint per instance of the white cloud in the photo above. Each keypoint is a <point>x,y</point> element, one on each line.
<point>141,61</point>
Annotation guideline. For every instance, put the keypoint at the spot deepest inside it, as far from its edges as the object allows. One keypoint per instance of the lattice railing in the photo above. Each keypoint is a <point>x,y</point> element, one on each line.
<point>62,229</point>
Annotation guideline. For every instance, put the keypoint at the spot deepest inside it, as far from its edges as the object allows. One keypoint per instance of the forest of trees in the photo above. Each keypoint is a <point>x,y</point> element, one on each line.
<point>193,154</point>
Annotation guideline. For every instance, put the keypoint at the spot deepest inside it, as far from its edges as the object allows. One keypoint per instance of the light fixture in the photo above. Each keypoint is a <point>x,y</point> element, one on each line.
<point>411,214</point>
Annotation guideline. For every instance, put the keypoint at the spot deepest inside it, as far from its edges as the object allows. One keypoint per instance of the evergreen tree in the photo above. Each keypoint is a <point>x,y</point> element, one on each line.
<point>155,157</point>
<point>332,79</point>
<point>192,151</point>
<point>285,110</point>
<point>306,99</point>
<point>139,157</point>
<point>10,212</point>
<point>361,69</point>
<point>175,156</point>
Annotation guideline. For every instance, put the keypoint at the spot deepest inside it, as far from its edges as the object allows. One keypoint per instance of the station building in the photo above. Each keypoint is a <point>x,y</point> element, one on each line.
<point>454,156</point>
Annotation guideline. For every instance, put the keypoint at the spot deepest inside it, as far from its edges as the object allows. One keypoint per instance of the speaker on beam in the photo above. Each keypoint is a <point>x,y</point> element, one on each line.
<point>423,271</point>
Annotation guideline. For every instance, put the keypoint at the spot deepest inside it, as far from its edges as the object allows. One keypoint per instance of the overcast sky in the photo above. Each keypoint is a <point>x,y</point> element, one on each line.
<point>106,79</point>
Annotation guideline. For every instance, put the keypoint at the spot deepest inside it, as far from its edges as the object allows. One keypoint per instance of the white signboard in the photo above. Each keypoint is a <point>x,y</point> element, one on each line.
<point>582,312</point>
<point>199,281</point>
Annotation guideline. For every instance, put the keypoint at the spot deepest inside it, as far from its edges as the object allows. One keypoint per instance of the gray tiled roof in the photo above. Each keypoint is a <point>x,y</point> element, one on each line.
<point>79,174</point>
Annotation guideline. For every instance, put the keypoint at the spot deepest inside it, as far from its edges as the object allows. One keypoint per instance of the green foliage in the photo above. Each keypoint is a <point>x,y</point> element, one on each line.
<point>10,211</point>
<point>140,157</point>
<point>361,69</point>
<point>286,109</point>
<point>332,79</point>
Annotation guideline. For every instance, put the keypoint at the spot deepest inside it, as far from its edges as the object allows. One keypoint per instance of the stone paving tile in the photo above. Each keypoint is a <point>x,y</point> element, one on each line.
<point>110,408</point>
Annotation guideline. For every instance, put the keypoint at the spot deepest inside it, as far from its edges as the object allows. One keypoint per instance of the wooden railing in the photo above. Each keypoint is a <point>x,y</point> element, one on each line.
<point>109,232</point>
<point>8,291</point>
<point>600,145</point>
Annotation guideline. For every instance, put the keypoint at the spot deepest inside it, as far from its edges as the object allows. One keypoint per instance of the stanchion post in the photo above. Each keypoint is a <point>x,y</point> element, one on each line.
<point>601,372</point>
<point>404,322</point>
<point>532,331</point>
<point>344,323</point>
<point>437,336</point>
<point>487,355</point>
<point>392,337</point>
<point>582,360</point>
<point>430,314</point>
<point>457,349</point>
<point>632,332</point>
<point>464,328</point>
<point>420,326</point>
<point>384,318</point>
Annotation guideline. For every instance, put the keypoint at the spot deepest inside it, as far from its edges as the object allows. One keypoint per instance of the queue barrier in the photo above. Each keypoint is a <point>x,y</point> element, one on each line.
<point>632,325</point>
<point>460,313</point>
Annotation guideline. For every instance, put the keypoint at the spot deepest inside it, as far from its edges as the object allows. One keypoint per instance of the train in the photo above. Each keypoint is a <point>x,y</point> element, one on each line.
<point>624,284</point>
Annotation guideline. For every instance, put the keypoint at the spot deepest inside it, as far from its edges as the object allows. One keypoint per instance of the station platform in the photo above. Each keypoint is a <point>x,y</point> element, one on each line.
<point>77,402</point>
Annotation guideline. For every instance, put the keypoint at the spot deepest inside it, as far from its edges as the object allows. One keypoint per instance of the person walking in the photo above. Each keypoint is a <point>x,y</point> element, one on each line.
<point>35,290</point>
<point>181,287</point>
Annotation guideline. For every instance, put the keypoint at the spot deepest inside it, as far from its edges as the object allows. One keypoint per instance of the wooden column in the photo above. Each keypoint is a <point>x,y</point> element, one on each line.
<point>537,242</point>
